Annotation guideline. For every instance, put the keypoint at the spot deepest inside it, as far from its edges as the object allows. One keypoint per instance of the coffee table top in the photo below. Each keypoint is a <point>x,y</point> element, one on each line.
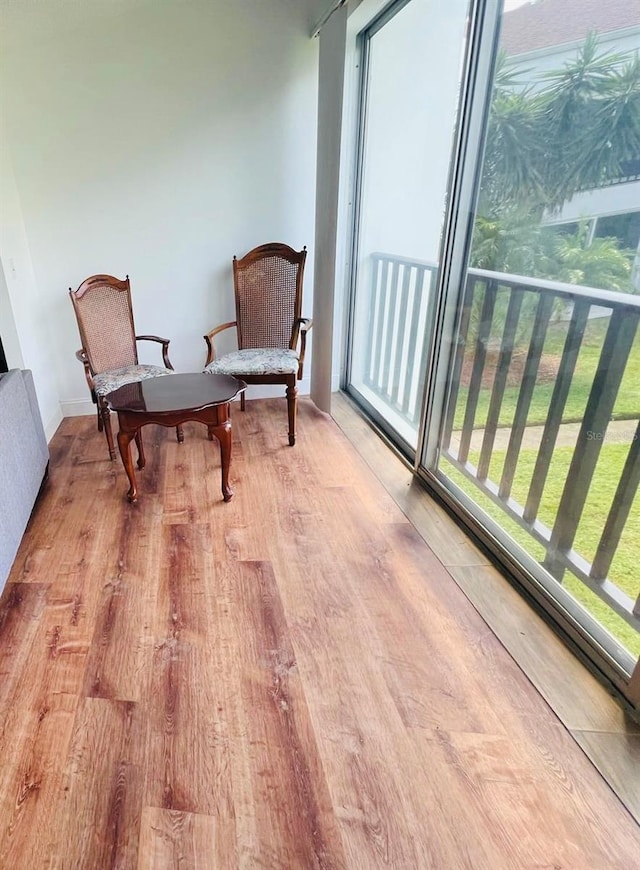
<point>179,392</point>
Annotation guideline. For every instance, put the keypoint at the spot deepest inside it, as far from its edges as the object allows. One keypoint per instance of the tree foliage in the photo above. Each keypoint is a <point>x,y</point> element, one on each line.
<point>572,129</point>
<point>522,246</point>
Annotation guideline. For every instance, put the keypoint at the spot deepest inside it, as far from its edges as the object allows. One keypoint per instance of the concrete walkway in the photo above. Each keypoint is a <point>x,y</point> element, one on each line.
<point>618,432</point>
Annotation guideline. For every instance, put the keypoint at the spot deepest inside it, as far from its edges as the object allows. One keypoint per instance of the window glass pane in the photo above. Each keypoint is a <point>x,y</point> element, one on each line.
<point>408,119</point>
<point>541,432</point>
<point>623,227</point>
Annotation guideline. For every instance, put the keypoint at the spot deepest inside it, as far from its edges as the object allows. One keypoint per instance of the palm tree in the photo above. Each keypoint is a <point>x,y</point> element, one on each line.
<point>591,121</point>
<point>574,129</point>
<point>601,264</point>
<point>513,147</point>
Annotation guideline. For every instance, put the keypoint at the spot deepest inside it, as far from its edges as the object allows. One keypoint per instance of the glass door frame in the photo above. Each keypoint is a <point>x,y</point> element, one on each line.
<point>393,438</point>
<point>584,635</point>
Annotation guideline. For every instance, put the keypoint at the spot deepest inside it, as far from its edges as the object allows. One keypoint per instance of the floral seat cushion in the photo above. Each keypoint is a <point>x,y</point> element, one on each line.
<point>255,361</point>
<point>107,382</point>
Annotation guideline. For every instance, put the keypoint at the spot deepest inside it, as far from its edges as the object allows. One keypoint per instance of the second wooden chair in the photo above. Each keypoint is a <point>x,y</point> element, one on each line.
<point>271,333</point>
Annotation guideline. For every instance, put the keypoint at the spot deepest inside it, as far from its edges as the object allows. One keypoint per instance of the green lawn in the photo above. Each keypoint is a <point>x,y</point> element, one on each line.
<point>624,571</point>
<point>627,404</point>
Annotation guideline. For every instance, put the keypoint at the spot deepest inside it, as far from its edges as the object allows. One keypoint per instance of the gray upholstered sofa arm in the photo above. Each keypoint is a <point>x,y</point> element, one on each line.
<point>24,456</point>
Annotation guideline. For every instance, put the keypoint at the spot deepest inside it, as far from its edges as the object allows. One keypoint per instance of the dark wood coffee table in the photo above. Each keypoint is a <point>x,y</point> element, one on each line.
<point>172,400</point>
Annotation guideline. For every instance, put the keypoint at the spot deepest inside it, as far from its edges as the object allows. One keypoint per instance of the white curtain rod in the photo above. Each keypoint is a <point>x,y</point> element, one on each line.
<point>333,7</point>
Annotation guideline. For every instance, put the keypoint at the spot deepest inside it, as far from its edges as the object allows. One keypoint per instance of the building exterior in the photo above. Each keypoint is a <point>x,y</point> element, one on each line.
<point>540,37</point>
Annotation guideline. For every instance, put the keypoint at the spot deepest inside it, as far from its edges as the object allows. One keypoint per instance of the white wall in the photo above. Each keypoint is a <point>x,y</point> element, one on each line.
<point>155,139</point>
<point>618,198</point>
<point>8,331</point>
<point>23,317</point>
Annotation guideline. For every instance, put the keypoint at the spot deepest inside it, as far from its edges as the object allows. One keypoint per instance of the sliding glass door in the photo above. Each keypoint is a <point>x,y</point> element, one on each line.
<point>495,305</point>
<point>536,436</point>
<point>411,62</point>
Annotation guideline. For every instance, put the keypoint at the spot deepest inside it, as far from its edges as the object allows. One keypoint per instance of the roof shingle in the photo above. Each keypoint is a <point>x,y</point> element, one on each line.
<point>547,23</point>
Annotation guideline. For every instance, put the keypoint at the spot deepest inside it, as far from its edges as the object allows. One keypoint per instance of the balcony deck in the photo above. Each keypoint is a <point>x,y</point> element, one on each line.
<point>293,679</point>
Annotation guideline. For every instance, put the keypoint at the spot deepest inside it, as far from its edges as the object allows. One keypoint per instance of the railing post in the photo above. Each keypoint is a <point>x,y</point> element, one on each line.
<point>536,346</point>
<point>422,286</point>
<point>375,289</point>
<point>462,336</point>
<point>500,382</point>
<point>391,296</point>
<point>570,352</point>
<point>613,360</point>
<point>479,357</point>
<point>400,336</point>
<point>622,502</point>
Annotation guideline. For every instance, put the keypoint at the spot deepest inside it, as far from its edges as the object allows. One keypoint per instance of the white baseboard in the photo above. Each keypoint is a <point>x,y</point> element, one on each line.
<point>77,408</point>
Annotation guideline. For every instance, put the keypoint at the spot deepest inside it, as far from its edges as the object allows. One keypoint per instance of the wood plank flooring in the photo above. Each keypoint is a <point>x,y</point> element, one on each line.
<point>606,733</point>
<point>289,680</point>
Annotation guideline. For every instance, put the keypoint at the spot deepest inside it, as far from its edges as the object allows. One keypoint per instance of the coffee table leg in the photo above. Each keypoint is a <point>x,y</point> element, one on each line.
<point>141,459</point>
<point>124,445</point>
<point>223,434</point>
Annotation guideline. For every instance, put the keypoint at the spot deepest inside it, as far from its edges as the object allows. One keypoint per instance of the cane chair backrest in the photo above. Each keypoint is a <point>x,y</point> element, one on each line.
<point>268,288</point>
<point>102,305</point>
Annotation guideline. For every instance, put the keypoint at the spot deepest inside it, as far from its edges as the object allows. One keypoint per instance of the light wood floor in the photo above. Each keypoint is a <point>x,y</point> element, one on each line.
<point>290,680</point>
<point>598,723</point>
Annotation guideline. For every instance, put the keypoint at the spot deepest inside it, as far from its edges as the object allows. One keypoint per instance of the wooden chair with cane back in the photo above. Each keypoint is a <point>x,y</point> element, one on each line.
<point>271,333</point>
<point>102,305</point>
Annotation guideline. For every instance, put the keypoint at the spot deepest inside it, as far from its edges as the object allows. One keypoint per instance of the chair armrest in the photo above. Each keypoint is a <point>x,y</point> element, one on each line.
<point>165,347</point>
<point>303,324</point>
<point>84,359</point>
<point>211,353</point>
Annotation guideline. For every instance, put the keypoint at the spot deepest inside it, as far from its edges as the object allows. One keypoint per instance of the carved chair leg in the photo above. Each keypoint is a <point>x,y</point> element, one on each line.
<point>99,418</point>
<point>292,407</point>
<point>242,400</point>
<point>106,423</point>
<point>179,434</point>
